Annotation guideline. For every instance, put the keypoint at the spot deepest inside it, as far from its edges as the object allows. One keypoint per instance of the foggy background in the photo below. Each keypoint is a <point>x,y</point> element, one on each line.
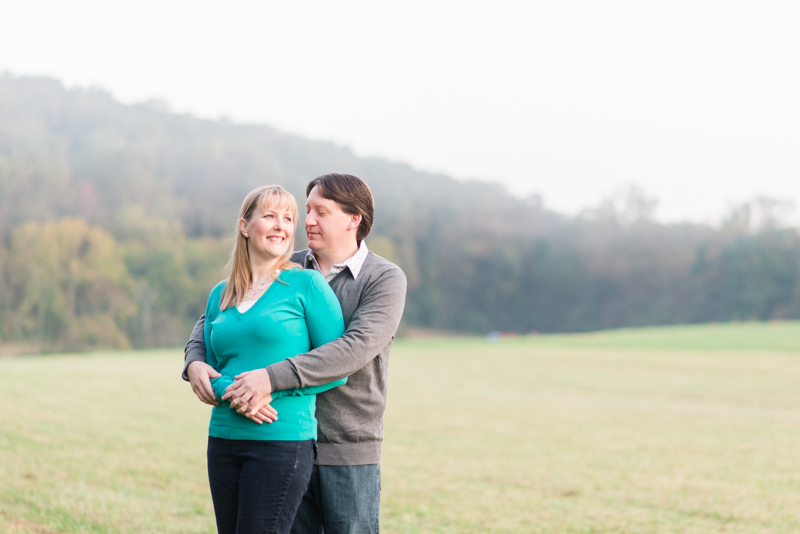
<point>537,167</point>
<point>695,102</point>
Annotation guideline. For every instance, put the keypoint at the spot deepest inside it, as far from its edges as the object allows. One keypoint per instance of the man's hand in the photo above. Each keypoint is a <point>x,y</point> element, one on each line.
<point>251,391</point>
<point>200,375</point>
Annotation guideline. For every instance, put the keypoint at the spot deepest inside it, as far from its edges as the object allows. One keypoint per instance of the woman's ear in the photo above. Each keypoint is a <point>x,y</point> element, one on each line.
<point>243,227</point>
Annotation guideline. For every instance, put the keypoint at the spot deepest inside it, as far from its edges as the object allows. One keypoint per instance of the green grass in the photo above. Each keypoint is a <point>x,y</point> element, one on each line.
<point>782,336</point>
<point>521,435</point>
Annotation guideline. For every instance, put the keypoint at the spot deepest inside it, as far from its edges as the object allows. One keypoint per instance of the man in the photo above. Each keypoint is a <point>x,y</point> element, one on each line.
<point>344,492</point>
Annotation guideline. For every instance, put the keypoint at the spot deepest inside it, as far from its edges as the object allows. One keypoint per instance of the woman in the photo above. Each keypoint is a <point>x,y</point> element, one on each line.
<point>268,310</point>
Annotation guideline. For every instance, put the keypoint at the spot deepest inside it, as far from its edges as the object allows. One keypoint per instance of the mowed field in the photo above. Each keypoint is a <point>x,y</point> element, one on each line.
<point>682,429</point>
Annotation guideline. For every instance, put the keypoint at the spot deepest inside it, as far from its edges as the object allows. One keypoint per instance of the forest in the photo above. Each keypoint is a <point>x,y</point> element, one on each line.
<point>115,222</point>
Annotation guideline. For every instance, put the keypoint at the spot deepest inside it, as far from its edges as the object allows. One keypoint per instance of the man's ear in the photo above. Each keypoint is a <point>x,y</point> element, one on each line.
<point>355,220</point>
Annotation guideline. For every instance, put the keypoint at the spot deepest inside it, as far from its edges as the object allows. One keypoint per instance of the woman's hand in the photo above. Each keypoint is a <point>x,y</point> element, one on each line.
<point>265,414</point>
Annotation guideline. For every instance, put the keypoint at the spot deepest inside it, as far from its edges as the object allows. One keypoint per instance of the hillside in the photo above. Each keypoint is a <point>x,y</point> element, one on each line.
<point>114,220</point>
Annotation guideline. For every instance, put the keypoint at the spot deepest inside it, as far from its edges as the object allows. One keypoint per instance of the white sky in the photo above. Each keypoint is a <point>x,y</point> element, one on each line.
<point>697,102</point>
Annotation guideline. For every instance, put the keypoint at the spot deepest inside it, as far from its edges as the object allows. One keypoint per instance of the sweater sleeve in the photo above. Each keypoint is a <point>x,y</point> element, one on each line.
<point>371,328</point>
<point>212,309</point>
<point>195,349</point>
<point>325,323</point>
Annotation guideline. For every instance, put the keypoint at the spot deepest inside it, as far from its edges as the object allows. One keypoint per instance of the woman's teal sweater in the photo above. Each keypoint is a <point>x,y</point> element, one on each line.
<point>297,313</point>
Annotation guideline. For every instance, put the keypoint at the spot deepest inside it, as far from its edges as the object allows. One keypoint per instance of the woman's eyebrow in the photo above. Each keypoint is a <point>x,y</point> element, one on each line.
<point>273,210</point>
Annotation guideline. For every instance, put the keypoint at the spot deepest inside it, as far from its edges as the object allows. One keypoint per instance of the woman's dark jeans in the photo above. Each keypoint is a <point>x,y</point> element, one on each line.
<point>257,486</point>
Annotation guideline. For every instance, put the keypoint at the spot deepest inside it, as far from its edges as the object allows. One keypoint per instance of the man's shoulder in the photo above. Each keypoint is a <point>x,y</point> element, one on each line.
<point>299,257</point>
<point>379,262</point>
<point>379,267</point>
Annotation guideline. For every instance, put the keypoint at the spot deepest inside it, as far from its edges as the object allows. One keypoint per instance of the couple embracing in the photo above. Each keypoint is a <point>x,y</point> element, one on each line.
<point>293,353</point>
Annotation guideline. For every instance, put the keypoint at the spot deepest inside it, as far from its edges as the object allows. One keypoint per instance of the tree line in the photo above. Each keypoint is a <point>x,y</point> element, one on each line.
<point>115,221</point>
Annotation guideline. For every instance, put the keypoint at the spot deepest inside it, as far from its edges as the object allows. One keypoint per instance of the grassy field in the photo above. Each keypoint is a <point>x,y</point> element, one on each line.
<point>685,429</point>
<point>779,336</point>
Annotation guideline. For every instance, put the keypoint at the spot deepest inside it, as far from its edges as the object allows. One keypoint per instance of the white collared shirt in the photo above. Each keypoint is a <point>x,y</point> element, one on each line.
<point>354,262</point>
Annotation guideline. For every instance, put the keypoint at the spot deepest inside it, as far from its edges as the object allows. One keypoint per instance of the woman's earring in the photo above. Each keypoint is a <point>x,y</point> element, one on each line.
<point>246,234</point>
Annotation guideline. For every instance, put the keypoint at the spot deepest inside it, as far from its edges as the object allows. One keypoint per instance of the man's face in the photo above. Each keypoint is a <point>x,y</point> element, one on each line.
<point>328,227</point>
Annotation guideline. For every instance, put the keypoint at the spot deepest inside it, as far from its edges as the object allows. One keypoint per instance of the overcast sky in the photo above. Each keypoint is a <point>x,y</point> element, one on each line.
<point>697,102</point>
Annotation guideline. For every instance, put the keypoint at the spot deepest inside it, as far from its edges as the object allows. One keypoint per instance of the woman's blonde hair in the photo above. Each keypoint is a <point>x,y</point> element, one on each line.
<point>239,264</point>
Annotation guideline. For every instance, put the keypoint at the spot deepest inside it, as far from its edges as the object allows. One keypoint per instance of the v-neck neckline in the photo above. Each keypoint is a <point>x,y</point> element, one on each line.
<point>259,299</point>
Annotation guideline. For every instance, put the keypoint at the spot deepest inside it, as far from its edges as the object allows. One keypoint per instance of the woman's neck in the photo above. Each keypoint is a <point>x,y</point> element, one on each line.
<point>263,269</point>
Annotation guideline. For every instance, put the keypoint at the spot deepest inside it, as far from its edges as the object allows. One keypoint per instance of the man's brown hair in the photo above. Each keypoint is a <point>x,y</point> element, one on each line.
<point>351,193</point>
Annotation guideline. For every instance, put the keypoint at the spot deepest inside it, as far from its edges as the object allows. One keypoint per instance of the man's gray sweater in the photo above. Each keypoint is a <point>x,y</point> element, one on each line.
<point>350,417</point>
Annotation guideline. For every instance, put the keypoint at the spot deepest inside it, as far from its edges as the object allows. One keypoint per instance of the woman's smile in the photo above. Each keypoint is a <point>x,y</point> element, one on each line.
<point>270,232</point>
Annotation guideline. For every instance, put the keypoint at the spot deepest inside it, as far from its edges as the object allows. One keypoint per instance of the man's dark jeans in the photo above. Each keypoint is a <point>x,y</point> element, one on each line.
<point>341,500</point>
<point>257,486</point>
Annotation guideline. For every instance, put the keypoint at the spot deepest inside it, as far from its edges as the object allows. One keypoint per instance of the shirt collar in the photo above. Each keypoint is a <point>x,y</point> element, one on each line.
<point>354,262</point>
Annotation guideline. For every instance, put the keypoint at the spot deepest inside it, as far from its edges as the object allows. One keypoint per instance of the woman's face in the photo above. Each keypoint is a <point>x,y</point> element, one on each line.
<point>269,231</point>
